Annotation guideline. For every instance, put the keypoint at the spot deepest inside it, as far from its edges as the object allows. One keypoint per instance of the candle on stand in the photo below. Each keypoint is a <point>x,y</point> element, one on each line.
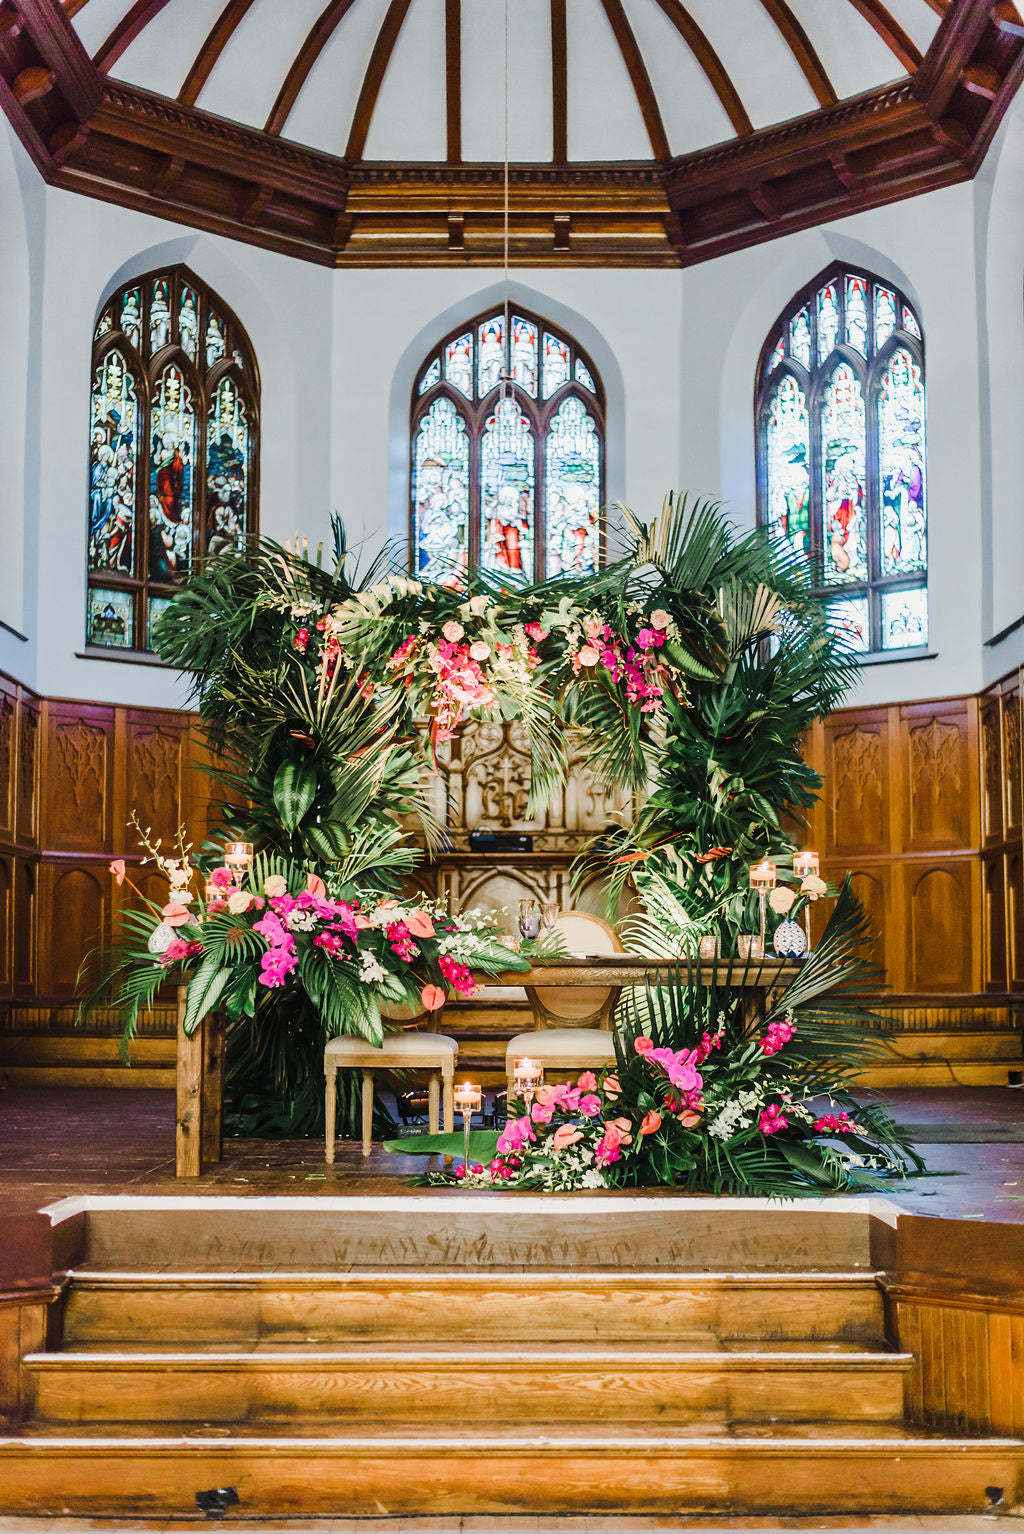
<point>238,857</point>
<point>527,1076</point>
<point>468,1100</point>
<point>763,877</point>
<point>805,864</point>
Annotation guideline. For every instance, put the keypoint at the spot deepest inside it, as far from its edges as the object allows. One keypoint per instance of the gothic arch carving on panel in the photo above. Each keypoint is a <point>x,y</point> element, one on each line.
<point>870,891</point>
<point>940,932</point>
<point>78,913</point>
<point>937,802</point>
<point>857,787</point>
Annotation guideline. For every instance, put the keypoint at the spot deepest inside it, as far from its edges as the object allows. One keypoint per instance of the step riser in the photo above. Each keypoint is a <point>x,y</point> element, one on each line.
<point>741,1478</point>
<point>561,1314</point>
<point>421,1393</point>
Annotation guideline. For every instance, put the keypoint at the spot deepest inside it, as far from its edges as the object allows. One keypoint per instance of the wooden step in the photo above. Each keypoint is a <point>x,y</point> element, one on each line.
<point>104,1308</point>
<point>92,1076</point>
<point>818,1468</point>
<point>939,1073</point>
<point>500,1384</point>
<point>82,1049</point>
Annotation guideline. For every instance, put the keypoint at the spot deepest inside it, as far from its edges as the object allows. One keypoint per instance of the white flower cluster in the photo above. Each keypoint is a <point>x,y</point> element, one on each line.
<point>370,972</point>
<point>300,920</point>
<point>572,1167</point>
<point>736,1114</point>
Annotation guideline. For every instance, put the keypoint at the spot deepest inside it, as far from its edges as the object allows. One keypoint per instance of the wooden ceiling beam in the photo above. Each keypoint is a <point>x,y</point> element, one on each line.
<point>559,84</point>
<point>803,51</point>
<point>60,49</point>
<point>376,69</point>
<point>891,33</point>
<point>217,39</point>
<point>316,40</point>
<point>453,77</point>
<point>126,31</point>
<point>696,40</point>
<point>639,78</point>
<point>960,36</point>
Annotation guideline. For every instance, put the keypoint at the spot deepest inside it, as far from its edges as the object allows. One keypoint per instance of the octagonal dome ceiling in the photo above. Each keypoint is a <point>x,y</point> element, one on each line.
<point>641,132</point>
<point>589,80</point>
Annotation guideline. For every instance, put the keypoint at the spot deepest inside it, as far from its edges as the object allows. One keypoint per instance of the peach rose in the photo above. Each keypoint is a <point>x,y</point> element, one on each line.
<point>564,1135</point>
<point>419,924</point>
<point>315,885</point>
<point>275,886</point>
<point>175,915</point>
<point>813,887</point>
<point>432,997</point>
<point>479,650</point>
<point>660,619</point>
<point>652,1121</point>
<point>239,901</point>
<point>453,631</point>
<point>781,899</point>
<point>588,656</point>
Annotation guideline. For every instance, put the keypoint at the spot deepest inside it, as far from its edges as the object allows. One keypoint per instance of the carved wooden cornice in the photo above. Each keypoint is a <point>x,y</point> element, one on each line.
<point>130,146</point>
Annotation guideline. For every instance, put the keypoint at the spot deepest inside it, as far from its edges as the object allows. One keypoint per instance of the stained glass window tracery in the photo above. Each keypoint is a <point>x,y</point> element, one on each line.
<point>506,474</point>
<point>841,455</point>
<point>172,449</point>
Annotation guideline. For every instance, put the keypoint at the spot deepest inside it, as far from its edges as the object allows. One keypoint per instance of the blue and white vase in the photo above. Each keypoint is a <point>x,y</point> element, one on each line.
<point>790,940</point>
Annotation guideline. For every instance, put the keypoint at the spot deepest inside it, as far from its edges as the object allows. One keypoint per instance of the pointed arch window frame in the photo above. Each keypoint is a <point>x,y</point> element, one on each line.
<point>476,412</point>
<point>813,381</point>
<point>146,367</point>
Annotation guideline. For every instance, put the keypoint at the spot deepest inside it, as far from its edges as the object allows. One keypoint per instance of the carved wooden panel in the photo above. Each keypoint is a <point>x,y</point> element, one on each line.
<point>937,776</point>
<point>79,788</point>
<point>870,890</point>
<point>939,901</point>
<point>27,772</point>
<point>6,924</point>
<point>8,723</point>
<point>968,1377</point>
<point>1015,918</point>
<point>24,945</point>
<point>75,909</point>
<point>994,878</point>
<point>156,763</point>
<point>1012,760</point>
<point>856,783</point>
<point>991,770</point>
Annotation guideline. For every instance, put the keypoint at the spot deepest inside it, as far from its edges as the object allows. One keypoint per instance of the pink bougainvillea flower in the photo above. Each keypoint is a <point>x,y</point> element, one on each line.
<point>315,885</point>
<point>587,1082</point>
<point>221,878</point>
<point>419,924</point>
<point>651,1122</point>
<point>432,996</point>
<point>643,1045</point>
<point>118,869</point>
<point>565,1135</point>
<point>175,915</point>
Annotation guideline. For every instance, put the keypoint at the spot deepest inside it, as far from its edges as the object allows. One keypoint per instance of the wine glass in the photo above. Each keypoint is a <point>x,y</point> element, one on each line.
<point>549,914</point>
<point>529,920</point>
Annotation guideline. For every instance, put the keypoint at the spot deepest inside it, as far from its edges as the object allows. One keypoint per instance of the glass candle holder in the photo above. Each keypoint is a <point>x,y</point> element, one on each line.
<point>527,1076</point>
<point>468,1100</point>
<point>708,947</point>
<point>238,857</point>
<point>763,877</point>
<point>805,864</point>
<point>750,945</point>
<point>530,919</point>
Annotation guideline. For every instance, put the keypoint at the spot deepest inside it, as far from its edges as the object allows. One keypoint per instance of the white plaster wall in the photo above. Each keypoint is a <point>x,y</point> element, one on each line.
<point>339,351</point>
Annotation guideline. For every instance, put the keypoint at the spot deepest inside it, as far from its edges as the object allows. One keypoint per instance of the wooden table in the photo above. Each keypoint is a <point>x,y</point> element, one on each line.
<point>199,1131</point>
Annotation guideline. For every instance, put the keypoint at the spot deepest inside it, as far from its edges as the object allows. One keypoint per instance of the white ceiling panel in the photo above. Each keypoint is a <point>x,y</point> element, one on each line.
<point>164,51</point>
<point>322,116</point>
<point>770,82</point>
<point>917,19</point>
<point>854,56</point>
<point>245,80</point>
<point>483,80</point>
<point>97,19</point>
<point>690,109</point>
<point>605,122</point>
<point>410,119</point>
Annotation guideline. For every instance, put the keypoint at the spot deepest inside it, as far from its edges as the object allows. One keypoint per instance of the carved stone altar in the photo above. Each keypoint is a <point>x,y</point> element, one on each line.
<point>483,784</point>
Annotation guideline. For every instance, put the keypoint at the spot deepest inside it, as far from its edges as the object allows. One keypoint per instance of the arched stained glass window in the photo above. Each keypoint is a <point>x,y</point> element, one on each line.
<point>173,432</point>
<point>507,453</point>
<point>840,408</point>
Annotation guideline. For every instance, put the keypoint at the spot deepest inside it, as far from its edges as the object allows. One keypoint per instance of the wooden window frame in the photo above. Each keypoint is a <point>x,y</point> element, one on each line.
<point>476,411</point>
<point>146,368</point>
<point>870,373</point>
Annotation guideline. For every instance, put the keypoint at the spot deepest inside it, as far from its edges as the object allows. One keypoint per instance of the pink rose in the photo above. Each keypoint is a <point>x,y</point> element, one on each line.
<point>315,885</point>
<point>453,631</point>
<point>419,924</point>
<point>432,996</point>
<point>587,1082</point>
<point>643,1045</point>
<point>175,915</point>
<point>588,656</point>
<point>565,1135</point>
<point>660,619</point>
<point>479,650</point>
<point>651,1122</point>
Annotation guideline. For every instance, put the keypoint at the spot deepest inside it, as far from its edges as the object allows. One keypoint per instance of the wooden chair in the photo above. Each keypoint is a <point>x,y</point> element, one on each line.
<point>434,1052</point>
<point>578,1018</point>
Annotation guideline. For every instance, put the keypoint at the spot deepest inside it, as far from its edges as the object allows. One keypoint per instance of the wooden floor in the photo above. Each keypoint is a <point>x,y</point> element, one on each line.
<point>56,1142</point>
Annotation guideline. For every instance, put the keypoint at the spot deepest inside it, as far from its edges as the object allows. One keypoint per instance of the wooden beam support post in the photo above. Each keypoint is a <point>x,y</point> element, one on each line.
<point>199,1121</point>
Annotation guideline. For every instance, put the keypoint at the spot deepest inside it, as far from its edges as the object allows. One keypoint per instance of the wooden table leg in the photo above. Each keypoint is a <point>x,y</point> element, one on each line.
<point>367,1111</point>
<point>433,1102</point>
<point>449,1104</point>
<point>189,1083</point>
<point>212,1131</point>
<point>330,1111</point>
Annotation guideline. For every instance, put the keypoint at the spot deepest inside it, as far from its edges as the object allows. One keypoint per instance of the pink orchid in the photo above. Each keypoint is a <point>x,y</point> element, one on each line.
<point>541,1114</point>
<point>590,1105</point>
<point>515,1135</point>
